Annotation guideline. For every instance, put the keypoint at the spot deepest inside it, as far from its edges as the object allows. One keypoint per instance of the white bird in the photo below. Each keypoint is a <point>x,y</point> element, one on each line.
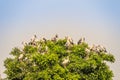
<point>81,40</point>
<point>69,42</point>
<point>87,50</point>
<point>65,62</point>
<point>34,38</point>
<point>21,56</point>
<point>102,48</point>
<point>93,48</point>
<point>24,43</point>
<point>34,64</point>
<point>98,48</point>
<point>54,38</point>
<point>26,58</point>
<point>44,39</point>
<point>87,53</point>
<point>46,48</point>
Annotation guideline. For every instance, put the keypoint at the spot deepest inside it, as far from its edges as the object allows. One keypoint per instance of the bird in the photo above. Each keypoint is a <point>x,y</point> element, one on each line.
<point>93,47</point>
<point>24,43</point>
<point>46,48</point>
<point>34,38</point>
<point>102,48</point>
<point>69,42</point>
<point>65,62</point>
<point>32,43</point>
<point>26,58</point>
<point>87,50</point>
<point>81,41</point>
<point>44,40</point>
<point>34,64</point>
<point>98,48</point>
<point>42,53</point>
<point>20,56</point>
<point>54,39</point>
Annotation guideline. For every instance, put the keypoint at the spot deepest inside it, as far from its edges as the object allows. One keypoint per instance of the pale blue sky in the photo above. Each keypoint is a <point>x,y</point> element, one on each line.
<point>97,20</point>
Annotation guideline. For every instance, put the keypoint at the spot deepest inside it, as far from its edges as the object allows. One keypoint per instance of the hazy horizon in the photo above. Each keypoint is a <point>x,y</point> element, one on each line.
<point>97,21</point>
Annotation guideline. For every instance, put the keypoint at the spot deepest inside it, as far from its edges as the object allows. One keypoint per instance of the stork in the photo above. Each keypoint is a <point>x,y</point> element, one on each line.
<point>87,53</point>
<point>87,50</point>
<point>44,39</point>
<point>46,48</point>
<point>33,40</point>
<point>26,58</point>
<point>34,64</point>
<point>69,42</point>
<point>65,62</point>
<point>93,48</point>
<point>54,38</point>
<point>81,41</point>
<point>20,56</point>
<point>102,48</point>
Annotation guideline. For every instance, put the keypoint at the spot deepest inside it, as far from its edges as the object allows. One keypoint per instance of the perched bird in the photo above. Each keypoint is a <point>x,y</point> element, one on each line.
<point>87,50</point>
<point>20,56</point>
<point>42,53</point>
<point>93,48</point>
<point>39,48</point>
<point>98,48</point>
<point>44,39</point>
<point>34,64</point>
<point>65,62</point>
<point>46,48</point>
<point>54,39</point>
<point>81,41</point>
<point>26,58</point>
<point>34,38</point>
<point>69,42</point>
<point>87,53</point>
<point>24,43</point>
<point>32,43</point>
<point>102,48</point>
<point>42,50</point>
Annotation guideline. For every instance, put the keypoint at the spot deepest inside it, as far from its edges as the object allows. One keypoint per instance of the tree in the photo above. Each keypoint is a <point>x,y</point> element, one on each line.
<point>58,59</point>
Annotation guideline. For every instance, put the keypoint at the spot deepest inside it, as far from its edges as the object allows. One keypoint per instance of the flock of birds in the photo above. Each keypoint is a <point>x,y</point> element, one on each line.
<point>69,43</point>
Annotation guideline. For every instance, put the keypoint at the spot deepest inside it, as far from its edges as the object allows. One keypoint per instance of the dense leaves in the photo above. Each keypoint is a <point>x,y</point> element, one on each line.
<point>58,59</point>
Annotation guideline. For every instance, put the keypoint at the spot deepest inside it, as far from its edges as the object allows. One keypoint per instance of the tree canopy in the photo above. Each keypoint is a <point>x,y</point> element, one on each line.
<point>58,59</point>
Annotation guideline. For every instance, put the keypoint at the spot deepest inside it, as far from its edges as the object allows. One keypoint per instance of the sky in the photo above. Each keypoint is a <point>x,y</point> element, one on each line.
<point>96,20</point>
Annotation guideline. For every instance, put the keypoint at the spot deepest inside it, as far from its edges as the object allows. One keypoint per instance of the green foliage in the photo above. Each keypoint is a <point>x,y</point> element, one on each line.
<point>52,60</point>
